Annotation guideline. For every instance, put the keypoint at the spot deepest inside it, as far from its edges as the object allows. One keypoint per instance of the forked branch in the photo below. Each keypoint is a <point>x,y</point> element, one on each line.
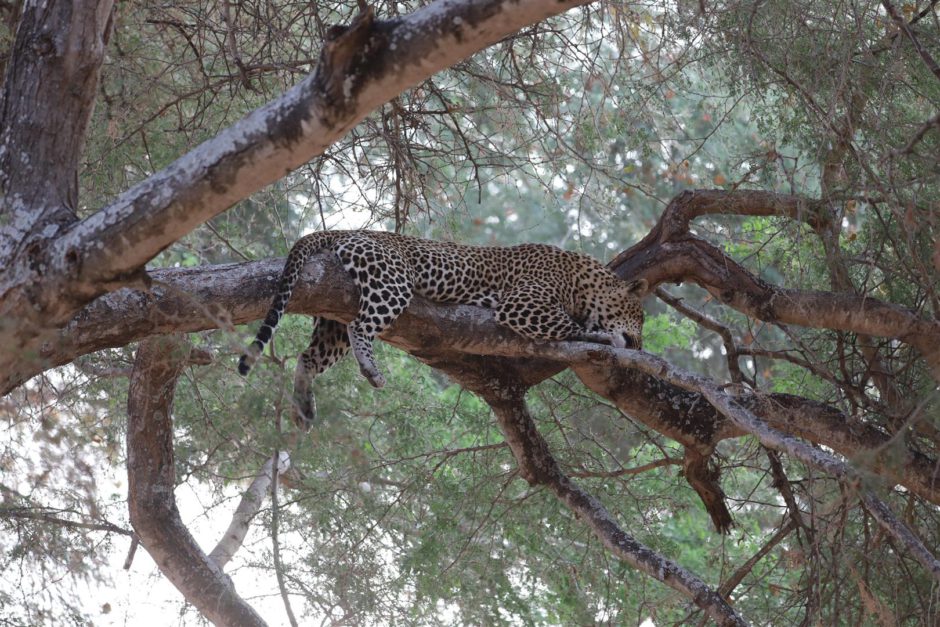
<point>671,254</point>
<point>505,395</point>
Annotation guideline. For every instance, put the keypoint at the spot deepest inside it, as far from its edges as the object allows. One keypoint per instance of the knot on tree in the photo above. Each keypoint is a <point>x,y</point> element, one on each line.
<point>349,53</point>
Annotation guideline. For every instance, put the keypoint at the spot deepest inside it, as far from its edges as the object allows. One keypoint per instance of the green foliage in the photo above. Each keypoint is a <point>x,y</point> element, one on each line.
<point>664,331</point>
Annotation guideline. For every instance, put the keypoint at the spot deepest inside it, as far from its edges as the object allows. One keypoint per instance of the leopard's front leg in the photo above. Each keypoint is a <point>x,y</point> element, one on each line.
<point>385,290</point>
<point>360,339</point>
<point>530,312</point>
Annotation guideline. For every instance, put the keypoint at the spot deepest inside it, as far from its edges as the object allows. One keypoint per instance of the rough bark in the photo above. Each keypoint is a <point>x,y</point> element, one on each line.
<point>690,419</point>
<point>152,479</point>
<point>46,102</point>
<point>748,422</point>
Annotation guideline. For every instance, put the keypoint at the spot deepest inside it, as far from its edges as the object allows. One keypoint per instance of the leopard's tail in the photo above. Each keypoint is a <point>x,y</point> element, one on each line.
<point>301,251</point>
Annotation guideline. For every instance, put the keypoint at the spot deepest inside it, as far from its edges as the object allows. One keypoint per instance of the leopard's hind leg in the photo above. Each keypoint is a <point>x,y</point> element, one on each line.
<point>385,289</point>
<point>328,344</point>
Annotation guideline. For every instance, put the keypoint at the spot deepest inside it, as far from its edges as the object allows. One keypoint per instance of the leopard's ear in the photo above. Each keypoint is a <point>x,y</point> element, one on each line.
<point>638,287</point>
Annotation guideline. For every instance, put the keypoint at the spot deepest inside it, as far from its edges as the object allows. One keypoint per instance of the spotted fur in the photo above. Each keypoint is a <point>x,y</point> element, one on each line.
<point>539,291</point>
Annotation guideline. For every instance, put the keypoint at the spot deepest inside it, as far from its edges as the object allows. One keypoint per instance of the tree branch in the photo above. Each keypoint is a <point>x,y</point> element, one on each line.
<point>247,509</point>
<point>195,299</point>
<point>744,419</point>
<point>671,254</point>
<point>505,395</point>
<point>46,102</point>
<point>702,474</point>
<point>46,516</point>
<point>738,576</point>
<point>731,348</point>
<point>152,479</point>
<point>906,29</point>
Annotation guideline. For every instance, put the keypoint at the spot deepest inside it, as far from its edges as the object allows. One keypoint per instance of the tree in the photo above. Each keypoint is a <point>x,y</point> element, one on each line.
<point>813,312</point>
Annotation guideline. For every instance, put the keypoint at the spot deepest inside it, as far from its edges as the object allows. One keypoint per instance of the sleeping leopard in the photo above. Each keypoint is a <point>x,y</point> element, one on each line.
<point>539,291</point>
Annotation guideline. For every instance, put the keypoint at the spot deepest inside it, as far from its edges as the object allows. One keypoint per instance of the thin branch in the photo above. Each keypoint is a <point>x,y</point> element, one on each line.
<point>802,363</point>
<point>783,486</point>
<point>276,546</point>
<point>929,60</point>
<point>738,576</point>
<point>635,470</point>
<point>873,605</point>
<point>31,514</point>
<point>727,339</point>
<point>131,552</point>
<point>233,47</point>
<point>227,243</point>
<point>933,122</point>
<point>275,507</point>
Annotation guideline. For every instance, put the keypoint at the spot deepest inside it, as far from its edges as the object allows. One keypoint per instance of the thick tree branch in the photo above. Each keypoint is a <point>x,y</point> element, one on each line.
<point>688,418</point>
<point>361,67</point>
<point>746,421</point>
<point>152,479</point>
<point>195,299</point>
<point>671,254</point>
<point>45,105</point>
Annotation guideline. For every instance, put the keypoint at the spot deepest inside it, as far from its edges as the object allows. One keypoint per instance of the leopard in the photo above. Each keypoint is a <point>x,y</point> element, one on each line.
<point>539,291</point>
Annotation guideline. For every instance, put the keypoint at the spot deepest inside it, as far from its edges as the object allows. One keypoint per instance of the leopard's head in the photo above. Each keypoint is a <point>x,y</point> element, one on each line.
<point>621,313</point>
